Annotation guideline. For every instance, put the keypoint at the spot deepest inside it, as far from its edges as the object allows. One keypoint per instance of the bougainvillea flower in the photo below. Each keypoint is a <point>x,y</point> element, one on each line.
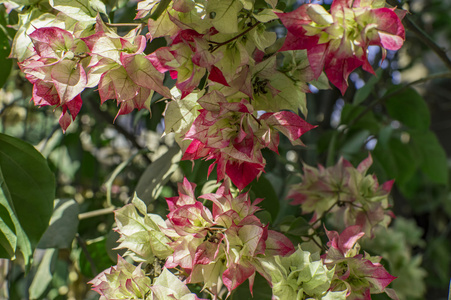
<point>361,275</point>
<point>348,193</point>
<point>168,286</point>
<point>187,60</point>
<point>119,67</point>
<point>299,276</point>
<point>56,72</point>
<point>123,281</point>
<point>337,41</point>
<point>233,135</point>
<point>219,248</point>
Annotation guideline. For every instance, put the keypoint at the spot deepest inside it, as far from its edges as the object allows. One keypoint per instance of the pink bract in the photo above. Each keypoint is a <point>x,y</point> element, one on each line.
<point>337,41</point>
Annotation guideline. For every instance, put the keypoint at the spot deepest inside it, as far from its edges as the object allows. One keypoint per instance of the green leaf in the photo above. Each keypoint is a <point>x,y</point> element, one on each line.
<point>410,109</point>
<point>398,159</point>
<point>8,222</point>
<point>290,97</point>
<point>157,174</point>
<point>354,142</point>
<point>223,15</point>
<point>99,257</point>
<point>262,188</point>
<point>366,90</point>
<point>5,62</point>
<point>63,225</point>
<point>160,9</point>
<point>31,186</point>
<point>180,114</point>
<point>434,161</point>
<point>44,274</point>
<point>368,121</point>
<point>80,10</point>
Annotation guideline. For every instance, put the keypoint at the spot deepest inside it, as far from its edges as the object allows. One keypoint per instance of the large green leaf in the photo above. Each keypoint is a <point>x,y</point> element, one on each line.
<point>80,10</point>
<point>31,186</point>
<point>157,174</point>
<point>63,225</point>
<point>44,274</point>
<point>410,109</point>
<point>8,222</point>
<point>434,161</point>
<point>262,188</point>
<point>398,159</point>
<point>5,62</point>
<point>368,121</point>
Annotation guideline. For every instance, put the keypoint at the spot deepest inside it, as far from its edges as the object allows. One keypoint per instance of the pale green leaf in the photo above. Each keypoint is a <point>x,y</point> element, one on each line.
<point>180,114</point>
<point>272,3</point>
<point>143,73</point>
<point>262,38</point>
<point>80,10</point>
<point>22,46</point>
<point>319,15</point>
<point>223,15</point>
<point>266,15</point>
<point>290,96</point>
<point>69,79</point>
<point>173,285</point>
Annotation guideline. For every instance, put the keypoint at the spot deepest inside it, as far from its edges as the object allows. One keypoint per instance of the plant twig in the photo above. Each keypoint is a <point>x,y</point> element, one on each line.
<point>96,213</point>
<point>82,244</point>
<point>124,24</point>
<point>394,93</point>
<point>218,45</point>
<point>109,119</point>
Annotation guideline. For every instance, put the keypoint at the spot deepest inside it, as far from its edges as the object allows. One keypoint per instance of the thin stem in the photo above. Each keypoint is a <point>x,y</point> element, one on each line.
<point>96,213</point>
<point>423,36</point>
<point>82,244</point>
<point>110,120</point>
<point>218,45</point>
<point>124,24</point>
<point>312,238</point>
<point>324,214</point>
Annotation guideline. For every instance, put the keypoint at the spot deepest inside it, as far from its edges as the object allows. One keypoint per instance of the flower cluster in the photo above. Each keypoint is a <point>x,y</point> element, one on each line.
<point>353,196</point>
<point>361,275</point>
<point>67,62</point>
<point>125,281</point>
<point>57,71</point>
<point>232,135</point>
<point>337,41</point>
<point>299,276</point>
<point>219,246</point>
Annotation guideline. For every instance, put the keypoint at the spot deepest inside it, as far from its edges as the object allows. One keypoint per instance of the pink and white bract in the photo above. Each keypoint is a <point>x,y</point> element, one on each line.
<point>337,41</point>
